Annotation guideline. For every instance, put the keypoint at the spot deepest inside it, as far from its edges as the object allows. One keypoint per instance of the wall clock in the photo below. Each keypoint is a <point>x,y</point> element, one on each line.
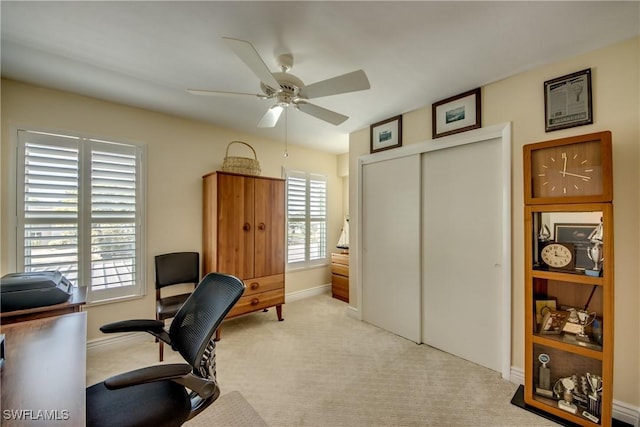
<point>569,170</point>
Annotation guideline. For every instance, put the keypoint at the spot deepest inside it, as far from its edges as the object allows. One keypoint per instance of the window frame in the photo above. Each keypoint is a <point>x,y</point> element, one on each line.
<point>86,144</point>
<point>308,177</point>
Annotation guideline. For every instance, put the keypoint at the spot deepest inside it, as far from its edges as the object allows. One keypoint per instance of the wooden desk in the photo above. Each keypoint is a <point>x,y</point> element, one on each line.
<point>73,305</point>
<point>44,373</point>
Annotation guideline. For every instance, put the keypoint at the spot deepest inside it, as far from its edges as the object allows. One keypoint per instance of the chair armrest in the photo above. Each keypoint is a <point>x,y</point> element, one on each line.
<point>153,327</point>
<point>149,374</point>
<point>177,372</point>
<point>137,325</point>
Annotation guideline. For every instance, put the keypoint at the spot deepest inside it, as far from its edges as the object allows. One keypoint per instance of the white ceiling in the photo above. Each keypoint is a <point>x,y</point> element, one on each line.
<point>146,54</point>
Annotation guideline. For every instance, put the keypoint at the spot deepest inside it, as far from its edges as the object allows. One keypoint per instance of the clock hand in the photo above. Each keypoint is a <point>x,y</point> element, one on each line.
<point>586,178</point>
<point>564,170</point>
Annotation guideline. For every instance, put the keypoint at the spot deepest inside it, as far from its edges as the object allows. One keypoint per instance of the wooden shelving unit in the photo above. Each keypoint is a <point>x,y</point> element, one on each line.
<point>580,367</point>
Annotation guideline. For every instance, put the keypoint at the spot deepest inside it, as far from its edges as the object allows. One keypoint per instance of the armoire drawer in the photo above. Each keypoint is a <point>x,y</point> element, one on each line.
<point>257,301</point>
<point>263,284</point>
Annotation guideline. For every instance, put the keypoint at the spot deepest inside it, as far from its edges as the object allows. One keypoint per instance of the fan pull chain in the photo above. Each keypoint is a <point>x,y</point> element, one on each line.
<point>286,127</point>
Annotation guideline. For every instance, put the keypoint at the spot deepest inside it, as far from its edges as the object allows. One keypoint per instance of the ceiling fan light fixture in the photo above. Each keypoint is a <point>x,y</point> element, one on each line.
<point>288,89</point>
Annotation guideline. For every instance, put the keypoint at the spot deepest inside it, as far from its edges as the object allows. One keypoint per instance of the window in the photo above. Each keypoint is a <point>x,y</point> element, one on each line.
<point>306,219</point>
<point>79,211</point>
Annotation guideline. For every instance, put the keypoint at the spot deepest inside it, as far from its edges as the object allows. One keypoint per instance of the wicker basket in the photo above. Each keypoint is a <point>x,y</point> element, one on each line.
<point>243,165</point>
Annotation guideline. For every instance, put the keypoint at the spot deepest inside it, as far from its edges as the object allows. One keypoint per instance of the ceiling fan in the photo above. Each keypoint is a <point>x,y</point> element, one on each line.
<point>288,90</point>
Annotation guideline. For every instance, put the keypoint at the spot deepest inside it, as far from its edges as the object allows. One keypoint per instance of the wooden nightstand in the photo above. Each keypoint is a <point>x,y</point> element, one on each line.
<point>340,276</point>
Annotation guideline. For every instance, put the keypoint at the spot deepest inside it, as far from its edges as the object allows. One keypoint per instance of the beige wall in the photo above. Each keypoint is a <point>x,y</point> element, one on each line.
<point>520,100</point>
<point>180,152</point>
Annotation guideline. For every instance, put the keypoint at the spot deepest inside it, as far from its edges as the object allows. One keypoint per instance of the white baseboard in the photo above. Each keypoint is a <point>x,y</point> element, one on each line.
<point>307,293</point>
<point>517,376</point>
<point>114,341</point>
<point>353,312</point>
<point>621,411</point>
<point>627,413</point>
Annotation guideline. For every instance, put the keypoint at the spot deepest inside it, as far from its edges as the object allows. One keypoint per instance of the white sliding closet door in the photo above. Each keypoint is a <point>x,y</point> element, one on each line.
<point>462,292</point>
<point>391,245</point>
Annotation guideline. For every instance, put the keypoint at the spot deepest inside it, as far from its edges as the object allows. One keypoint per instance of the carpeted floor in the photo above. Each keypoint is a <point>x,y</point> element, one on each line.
<point>320,367</point>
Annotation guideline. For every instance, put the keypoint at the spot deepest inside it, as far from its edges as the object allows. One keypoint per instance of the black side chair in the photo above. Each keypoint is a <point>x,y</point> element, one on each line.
<point>169,394</point>
<point>176,268</point>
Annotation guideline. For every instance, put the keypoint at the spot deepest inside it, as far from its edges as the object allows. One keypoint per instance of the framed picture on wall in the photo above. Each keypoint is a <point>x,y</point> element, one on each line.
<point>567,101</point>
<point>386,134</point>
<point>459,113</point>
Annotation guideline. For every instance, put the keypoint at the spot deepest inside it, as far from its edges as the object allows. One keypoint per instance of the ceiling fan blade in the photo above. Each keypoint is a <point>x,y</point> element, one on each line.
<point>271,117</point>
<point>321,113</point>
<point>220,93</point>
<point>350,82</point>
<point>250,56</point>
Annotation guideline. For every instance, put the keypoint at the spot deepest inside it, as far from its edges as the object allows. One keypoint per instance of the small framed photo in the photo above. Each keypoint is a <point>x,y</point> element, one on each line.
<point>553,322</point>
<point>578,234</point>
<point>386,134</point>
<point>568,101</point>
<point>459,113</point>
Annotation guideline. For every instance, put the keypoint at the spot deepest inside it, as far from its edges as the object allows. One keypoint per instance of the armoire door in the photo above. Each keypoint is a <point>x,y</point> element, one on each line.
<point>236,228</point>
<point>269,227</point>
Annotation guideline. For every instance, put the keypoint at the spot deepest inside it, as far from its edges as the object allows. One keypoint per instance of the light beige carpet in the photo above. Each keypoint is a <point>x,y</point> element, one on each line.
<point>320,367</point>
<point>230,410</point>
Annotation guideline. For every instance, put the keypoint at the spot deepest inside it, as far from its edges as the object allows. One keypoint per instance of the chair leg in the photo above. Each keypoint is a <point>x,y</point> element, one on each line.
<point>161,344</point>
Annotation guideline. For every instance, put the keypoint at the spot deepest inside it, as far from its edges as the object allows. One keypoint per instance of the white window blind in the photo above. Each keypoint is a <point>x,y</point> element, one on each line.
<point>80,205</point>
<point>306,219</point>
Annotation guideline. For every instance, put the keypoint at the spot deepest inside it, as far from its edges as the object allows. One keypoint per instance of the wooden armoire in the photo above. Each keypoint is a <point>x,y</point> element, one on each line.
<point>244,235</point>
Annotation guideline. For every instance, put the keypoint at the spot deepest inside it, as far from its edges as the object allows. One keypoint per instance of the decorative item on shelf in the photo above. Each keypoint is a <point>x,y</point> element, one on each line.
<point>573,322</point>
<point>386,134</point>
<point>595,252</point>
<point>567,101</point>
<point>544,376</point>
<point>595,386</point>
<point>544,237</point>
<point>585,319</point>
<point>343,241</point>
<point>241,165</point>
<point>542,307</point>
<point>553,322</point>
<point>596,331</point>
<point>456,114</point>
<point>559,256</point>
<point>566,403</point>
<point>577,234</point>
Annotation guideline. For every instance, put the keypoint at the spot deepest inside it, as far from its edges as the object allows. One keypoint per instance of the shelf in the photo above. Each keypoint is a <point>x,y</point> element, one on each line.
<point>568,342</point>
<point>551,406</point>
<point>577,277</point>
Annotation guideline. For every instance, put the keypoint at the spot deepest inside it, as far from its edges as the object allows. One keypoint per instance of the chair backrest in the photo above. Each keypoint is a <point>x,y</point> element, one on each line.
<point>177,267</point>
<point>201,314</point>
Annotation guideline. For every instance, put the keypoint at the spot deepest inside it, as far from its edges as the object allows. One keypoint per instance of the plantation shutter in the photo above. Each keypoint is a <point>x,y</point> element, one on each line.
<point>306,218</point>
<point>79,212</point>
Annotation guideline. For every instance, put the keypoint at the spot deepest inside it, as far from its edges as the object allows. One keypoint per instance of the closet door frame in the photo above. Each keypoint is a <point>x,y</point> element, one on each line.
<point>502,131</point>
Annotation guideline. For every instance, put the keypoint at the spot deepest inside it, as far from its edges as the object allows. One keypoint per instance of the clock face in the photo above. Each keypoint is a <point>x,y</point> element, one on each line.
<point>567,170</point>
<point>557,255</point>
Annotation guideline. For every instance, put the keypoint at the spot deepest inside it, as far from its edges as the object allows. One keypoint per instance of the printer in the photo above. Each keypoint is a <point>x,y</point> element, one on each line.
<point>19,291</point>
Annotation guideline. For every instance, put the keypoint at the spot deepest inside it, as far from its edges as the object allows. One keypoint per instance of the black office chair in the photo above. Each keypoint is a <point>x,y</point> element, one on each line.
<point>169,394</point>
<point>176,268</point>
